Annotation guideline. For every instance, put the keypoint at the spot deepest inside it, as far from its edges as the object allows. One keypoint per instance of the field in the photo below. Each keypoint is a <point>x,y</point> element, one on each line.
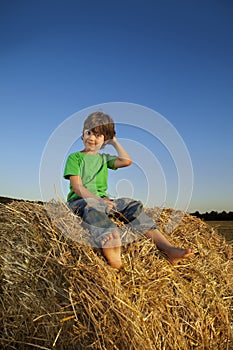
<point>224,228</point>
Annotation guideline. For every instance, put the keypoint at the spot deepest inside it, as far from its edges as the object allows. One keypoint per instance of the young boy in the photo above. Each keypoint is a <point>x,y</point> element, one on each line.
<point>88,174</point>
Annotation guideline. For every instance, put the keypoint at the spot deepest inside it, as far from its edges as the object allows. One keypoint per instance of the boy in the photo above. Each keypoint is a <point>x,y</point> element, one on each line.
<point>88,174</point>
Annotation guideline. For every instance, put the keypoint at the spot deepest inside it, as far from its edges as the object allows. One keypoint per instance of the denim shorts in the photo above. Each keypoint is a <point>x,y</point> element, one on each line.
<point>97,220</point>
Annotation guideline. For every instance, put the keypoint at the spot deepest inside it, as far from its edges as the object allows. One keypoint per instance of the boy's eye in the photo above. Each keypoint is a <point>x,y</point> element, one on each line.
<point>89,132</point>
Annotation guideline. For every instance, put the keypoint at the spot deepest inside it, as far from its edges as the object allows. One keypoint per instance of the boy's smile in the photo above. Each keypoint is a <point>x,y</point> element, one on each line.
<point>92,142</point>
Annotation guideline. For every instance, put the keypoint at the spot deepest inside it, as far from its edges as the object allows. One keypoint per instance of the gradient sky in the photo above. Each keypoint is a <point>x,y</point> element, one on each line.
<point>174,57</point>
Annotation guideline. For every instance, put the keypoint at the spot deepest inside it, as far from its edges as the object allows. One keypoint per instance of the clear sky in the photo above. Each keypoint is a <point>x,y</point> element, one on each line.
<point>58,57</point>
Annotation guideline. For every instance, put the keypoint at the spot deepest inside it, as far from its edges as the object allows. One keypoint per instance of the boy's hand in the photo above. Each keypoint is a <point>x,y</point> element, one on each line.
<point>110,205</point>
<point>111,141</point>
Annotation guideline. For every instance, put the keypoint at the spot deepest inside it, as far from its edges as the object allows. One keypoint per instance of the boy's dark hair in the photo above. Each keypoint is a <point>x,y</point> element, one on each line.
<point>100,123</point>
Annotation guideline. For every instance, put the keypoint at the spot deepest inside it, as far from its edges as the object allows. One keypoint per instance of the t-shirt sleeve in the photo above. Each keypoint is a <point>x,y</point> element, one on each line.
<point>72,166</point>
<point>110,161</point>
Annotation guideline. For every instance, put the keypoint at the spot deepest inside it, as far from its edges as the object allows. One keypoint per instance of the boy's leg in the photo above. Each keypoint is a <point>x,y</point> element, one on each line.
<point>111,247</point>
<point>173,254</point>
<point>134,213</point>
<point>105,233</point>
<point>101,227</point>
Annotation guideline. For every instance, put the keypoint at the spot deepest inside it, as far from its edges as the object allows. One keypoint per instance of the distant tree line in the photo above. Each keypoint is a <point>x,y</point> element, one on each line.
<point>214,215</point>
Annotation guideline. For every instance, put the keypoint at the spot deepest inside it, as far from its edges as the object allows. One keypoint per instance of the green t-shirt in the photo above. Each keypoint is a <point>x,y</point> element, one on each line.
<point>93,170</point>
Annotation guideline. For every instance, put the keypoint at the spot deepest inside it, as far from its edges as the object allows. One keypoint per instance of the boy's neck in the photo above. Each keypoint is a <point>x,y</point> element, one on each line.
<point>89,152</point>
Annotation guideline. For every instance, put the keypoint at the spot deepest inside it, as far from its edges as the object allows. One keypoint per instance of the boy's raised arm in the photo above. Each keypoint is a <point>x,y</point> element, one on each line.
<point>123,159</point>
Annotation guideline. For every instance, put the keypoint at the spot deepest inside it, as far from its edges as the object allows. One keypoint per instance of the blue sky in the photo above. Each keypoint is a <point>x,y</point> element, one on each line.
<point>174,57</point>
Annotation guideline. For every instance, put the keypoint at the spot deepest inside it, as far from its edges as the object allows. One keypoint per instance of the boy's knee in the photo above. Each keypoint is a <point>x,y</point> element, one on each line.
<point>125,201</point>
<point>95,206</point>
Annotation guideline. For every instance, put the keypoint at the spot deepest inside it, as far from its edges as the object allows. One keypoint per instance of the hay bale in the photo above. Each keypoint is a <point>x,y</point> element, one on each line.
<point>59,294</point>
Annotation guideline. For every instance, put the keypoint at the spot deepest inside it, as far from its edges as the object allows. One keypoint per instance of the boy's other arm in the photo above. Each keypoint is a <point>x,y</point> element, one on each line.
<point>79,189</point>
<point>123,159</point>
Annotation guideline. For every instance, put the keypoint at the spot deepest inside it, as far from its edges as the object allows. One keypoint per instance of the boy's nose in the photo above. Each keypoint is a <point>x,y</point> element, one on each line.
<point>92,136</point>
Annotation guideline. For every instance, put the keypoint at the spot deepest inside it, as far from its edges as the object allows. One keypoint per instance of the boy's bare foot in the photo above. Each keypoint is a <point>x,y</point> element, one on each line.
<point>174,255</point>
<point>111,246</point>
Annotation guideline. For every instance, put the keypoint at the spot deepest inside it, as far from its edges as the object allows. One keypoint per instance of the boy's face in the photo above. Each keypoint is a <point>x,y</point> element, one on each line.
<point>92,141</point>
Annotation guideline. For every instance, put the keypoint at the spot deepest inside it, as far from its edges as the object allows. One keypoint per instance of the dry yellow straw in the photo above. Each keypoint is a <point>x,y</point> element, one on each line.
<point>59,294</point>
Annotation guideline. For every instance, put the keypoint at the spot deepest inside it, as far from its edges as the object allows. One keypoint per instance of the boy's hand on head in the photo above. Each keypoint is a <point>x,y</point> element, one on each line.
<point>111,141</point>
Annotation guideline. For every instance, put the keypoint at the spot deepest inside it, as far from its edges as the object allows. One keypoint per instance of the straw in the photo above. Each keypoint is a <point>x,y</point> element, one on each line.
<point>57,293</point>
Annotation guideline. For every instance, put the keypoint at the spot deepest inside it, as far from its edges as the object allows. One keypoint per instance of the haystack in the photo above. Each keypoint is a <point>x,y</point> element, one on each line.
<point>59,294</point>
